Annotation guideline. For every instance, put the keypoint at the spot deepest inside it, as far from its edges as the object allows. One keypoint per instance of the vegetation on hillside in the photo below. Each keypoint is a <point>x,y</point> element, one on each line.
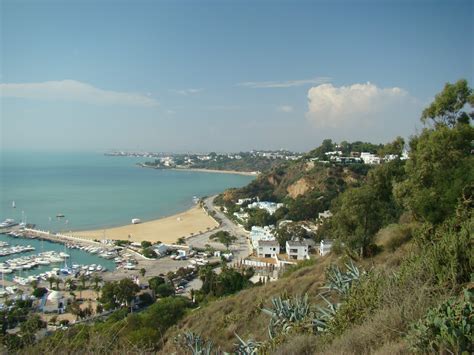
<point>399,278</point>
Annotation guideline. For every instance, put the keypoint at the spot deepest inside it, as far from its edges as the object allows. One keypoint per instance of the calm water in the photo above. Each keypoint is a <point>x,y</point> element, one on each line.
<point>76,256</point>
<point>95,191</point>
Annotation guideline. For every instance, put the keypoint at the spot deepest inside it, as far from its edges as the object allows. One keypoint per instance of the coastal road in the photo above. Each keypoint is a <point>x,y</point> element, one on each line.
<point>240,248</point>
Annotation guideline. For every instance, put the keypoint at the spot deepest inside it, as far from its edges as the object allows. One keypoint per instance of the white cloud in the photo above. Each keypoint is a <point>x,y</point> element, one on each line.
<point>331,106</point>
<point>187,91</point>
<point>76,91</point>
<point>283,84</point>
<point>285,108</point>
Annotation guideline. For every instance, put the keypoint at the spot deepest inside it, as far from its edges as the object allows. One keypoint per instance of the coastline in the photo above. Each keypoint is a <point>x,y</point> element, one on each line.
<point>202,170</point>
<point>214,171</point>
<point>166,230</point>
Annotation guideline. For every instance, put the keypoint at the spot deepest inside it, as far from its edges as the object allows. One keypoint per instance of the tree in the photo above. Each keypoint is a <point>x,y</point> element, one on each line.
<point>70,283</point>
<point>259,217</point>
<point>395,147</point>
<point>51,280</point>
<point>39,292</point>
<point>75,309</point>
<point>164,290</point>
<point>83,279</point>
<point>154,282</point>
<point>96,279</point>
<point>126,290</point>
<point>440,168</point>
<point>57,281</point>
<point>149,253</point>
<point>108,296</point>
<point>359,214</point>
<point>145,244</point>
<point>224,237</point>
<point>448,106</point>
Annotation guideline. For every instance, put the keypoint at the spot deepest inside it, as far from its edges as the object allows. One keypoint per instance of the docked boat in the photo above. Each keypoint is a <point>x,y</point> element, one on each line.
<point>8,223</point>
<point>136,220</point>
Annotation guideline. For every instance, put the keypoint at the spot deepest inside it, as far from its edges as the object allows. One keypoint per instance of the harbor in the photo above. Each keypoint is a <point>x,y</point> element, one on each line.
<point>39,256</point>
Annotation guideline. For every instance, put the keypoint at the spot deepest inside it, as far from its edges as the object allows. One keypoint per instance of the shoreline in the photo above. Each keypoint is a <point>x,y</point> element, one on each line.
<point>203,170</point>
<point>167,230</point>
<point>215,171</point>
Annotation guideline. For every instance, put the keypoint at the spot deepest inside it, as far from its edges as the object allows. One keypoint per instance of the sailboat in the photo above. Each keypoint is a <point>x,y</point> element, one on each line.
<point>13,204</point>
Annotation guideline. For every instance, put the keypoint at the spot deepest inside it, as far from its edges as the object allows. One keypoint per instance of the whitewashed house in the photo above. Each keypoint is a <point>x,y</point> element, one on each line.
<point>369,158</point>
<point>270,207</point>
<point>297,250</point>
<point>261,233</point>
<point>268,248</point>
<point>160,249</point>
<point>325,247</point>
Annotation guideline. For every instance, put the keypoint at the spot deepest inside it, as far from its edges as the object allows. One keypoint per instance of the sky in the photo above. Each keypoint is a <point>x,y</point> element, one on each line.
<point>224,75</point>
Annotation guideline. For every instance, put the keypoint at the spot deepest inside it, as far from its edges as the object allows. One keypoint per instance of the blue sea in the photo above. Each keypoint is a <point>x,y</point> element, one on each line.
<point>93,191</point>
<point>97,191</point>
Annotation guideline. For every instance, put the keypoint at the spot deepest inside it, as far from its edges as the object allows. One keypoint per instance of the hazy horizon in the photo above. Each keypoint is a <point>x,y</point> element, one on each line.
<point>231,76</point>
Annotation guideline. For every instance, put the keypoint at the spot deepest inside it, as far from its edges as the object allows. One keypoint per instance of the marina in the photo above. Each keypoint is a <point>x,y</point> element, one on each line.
<point>42,258</point>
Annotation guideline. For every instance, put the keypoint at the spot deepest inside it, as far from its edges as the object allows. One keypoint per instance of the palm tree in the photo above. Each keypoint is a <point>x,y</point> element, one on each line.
<point>96,279</point>
<point>51,280</point>
<point>57,281</point>
<point>69,283</point>
<point>83,279</point>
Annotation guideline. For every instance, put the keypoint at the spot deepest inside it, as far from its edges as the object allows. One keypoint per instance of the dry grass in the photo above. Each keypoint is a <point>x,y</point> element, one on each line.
<point>241,313</point>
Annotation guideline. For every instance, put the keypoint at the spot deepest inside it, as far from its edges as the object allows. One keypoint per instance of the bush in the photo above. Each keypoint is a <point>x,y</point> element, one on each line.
<point>164,290</point>
<point>39,292</point>
<point>149,253</point>
<point>448,328</point>
<point>146,299</point>
<point>145,244</point>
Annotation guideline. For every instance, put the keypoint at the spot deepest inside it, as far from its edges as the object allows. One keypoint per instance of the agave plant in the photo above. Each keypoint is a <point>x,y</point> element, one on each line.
<point>341,281</point>
<point>324,315</point>
<point>195,343</point>
<point>249,347</point>
<point>286,313</point>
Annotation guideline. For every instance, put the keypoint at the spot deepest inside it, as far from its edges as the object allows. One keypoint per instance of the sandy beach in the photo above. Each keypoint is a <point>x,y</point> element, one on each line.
<point>166,230</point>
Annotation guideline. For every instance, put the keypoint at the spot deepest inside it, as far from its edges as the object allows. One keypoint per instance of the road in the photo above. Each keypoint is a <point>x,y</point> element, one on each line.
<point>240,248</point>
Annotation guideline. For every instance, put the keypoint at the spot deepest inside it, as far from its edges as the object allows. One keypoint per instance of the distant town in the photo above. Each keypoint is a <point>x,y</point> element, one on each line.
<point>253,161</point>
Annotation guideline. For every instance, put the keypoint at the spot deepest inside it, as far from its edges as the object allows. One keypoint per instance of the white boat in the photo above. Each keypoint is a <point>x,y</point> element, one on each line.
<point>8,223</point>
<point>136,220</point>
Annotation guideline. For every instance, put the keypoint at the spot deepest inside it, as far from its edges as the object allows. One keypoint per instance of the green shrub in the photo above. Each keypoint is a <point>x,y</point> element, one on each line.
<point>448,328</point>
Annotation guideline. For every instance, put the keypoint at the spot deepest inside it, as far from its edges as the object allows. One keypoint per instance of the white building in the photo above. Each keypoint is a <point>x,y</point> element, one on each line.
<point>270,207</point>
<point>369,158</point>
<point>160,249</point>
<point>261,233</point>
<point>297,250</point>
<point>243,200</point>
<point>325,214</point>
<point>325,247</point>
<point>268,248</point>
<point>243,216</point>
